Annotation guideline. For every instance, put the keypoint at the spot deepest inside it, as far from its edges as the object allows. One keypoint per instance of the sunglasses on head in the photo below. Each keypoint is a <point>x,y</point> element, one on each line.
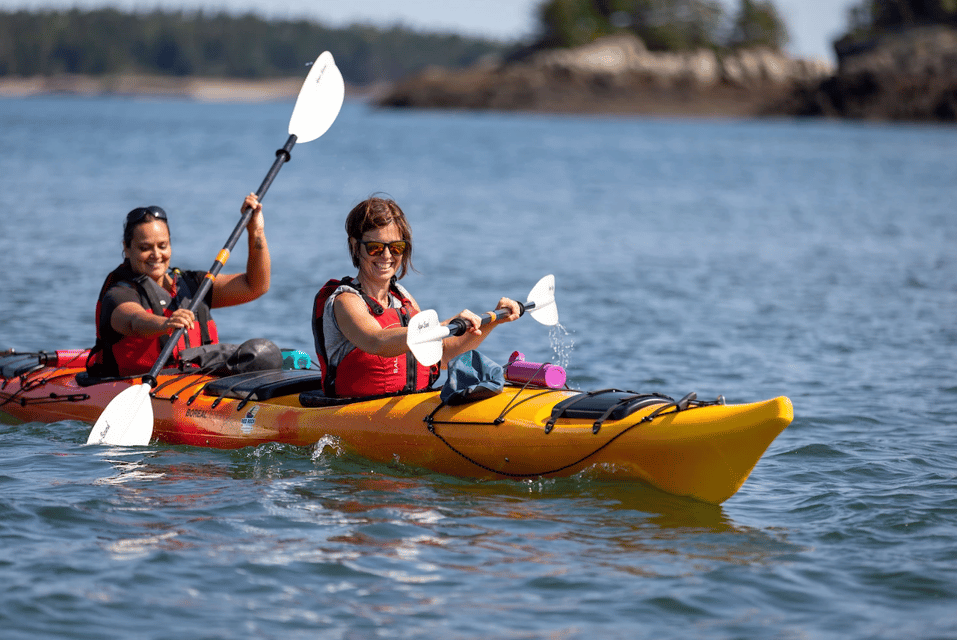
<point>140,213</point>
<point>375,248</point>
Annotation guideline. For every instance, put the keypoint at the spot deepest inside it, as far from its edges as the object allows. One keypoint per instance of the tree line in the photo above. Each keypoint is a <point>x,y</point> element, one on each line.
<point>108,41</point>
<point>178,43</point>
<point>664,25</point>
<point>687,24</point>
<point>869,18</point>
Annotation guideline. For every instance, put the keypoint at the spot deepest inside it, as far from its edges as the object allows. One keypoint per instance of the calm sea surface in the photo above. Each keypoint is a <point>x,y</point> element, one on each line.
<point>816,260</point>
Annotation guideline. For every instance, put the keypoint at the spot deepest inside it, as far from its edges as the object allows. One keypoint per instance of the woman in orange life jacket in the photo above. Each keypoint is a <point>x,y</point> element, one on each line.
<point>359,324</point>
<point>143,301</point>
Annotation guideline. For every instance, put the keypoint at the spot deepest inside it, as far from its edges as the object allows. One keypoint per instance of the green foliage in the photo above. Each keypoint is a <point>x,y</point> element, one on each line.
<point>872,17</point>
<point>669,25</point>
<point>758,24</point>
<point>107,41</point>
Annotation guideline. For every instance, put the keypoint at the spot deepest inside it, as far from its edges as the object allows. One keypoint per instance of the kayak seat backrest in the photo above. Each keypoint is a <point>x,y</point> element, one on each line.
<point>596,404</point>
<point>263,385</point>
<point>13,366</point>
<point>84,379</point>
<point>317,398</point>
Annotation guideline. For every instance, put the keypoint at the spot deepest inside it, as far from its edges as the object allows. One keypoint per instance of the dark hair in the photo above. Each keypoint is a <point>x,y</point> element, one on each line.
<point>138,216</point>
<point>376,213</point>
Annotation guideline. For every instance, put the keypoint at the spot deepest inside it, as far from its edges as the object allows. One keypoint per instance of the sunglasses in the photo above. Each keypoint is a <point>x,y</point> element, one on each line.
<point>375,248</point>
<point>137,215</point>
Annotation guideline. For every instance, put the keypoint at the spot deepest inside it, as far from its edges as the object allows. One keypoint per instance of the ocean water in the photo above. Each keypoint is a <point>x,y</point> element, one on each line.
<point>751,259</point>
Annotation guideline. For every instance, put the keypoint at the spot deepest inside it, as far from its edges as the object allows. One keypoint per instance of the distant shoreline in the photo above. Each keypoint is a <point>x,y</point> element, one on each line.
<point>131,85</point>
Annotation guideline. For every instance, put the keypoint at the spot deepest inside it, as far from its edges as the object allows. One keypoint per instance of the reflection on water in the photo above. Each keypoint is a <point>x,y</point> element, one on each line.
<point>281,504</point>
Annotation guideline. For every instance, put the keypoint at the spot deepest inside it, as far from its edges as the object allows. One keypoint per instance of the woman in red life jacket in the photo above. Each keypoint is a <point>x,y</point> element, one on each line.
<point>143,301</point>
<point>359,323</point>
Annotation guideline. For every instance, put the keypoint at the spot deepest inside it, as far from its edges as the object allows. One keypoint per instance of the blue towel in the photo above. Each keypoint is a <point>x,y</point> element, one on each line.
<point>472,376</point>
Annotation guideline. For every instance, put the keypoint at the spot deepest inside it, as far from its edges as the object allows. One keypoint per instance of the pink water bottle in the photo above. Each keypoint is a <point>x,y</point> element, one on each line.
<point>543,375</point>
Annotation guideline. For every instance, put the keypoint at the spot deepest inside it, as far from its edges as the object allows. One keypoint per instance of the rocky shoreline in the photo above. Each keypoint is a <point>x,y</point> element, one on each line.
<point>615,74</point>
<point>911,75</point>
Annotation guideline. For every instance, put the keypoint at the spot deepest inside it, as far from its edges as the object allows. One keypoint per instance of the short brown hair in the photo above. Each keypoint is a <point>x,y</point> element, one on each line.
<point>376,213</point>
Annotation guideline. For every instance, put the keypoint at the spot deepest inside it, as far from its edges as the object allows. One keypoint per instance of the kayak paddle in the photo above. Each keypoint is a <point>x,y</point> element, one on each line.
<point>128,419</point>
<point>425,333</point>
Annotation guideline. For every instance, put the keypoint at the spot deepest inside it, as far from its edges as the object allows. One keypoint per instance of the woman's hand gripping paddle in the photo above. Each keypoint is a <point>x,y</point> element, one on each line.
<point>128,419</point>
<point>426,333</point>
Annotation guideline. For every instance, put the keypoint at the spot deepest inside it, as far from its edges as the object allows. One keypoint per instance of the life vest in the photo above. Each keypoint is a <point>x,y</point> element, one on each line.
<point>118,355</point>
<point>363,374</point>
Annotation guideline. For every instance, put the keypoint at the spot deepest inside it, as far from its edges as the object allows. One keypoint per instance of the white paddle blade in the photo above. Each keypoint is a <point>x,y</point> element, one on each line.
<point>319,100</point>
<point>543,295</point>
<point>127,421</point>
<point>425,337</point>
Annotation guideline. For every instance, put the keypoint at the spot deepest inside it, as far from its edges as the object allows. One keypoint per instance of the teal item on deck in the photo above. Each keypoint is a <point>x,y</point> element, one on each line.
<point>295,359</point>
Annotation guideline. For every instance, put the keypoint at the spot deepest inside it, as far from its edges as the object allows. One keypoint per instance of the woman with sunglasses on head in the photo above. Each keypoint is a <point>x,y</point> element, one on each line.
<point>359,324</point>
<point>143,300</point>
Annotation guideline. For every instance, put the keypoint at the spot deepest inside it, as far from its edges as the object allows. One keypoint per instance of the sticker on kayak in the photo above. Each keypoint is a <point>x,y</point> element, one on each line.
<point>249,420</point>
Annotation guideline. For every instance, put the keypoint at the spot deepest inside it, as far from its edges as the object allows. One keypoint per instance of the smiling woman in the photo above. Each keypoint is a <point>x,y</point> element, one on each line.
<point>360,324</point>
<point>143,300</point>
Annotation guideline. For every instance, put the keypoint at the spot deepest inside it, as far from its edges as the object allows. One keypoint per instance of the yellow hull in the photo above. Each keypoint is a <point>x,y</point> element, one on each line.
<point>703,452</point>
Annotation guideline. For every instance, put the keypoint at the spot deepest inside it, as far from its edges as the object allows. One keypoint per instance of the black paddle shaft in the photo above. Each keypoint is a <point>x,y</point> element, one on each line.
<point>458,326</point>
<point>282,156</point>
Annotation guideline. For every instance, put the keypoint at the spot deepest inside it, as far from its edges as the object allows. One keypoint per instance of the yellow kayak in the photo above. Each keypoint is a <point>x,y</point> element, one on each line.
<point>687,447</point>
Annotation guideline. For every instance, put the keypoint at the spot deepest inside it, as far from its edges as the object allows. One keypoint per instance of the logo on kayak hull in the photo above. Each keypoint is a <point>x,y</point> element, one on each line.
<point>249,420</point>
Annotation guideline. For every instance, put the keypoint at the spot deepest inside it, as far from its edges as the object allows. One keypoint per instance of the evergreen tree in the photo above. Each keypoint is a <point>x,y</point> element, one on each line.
<point>107,41</point>
<point>670,25</point>
<point>871,17</point>
<point>758,23</point>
